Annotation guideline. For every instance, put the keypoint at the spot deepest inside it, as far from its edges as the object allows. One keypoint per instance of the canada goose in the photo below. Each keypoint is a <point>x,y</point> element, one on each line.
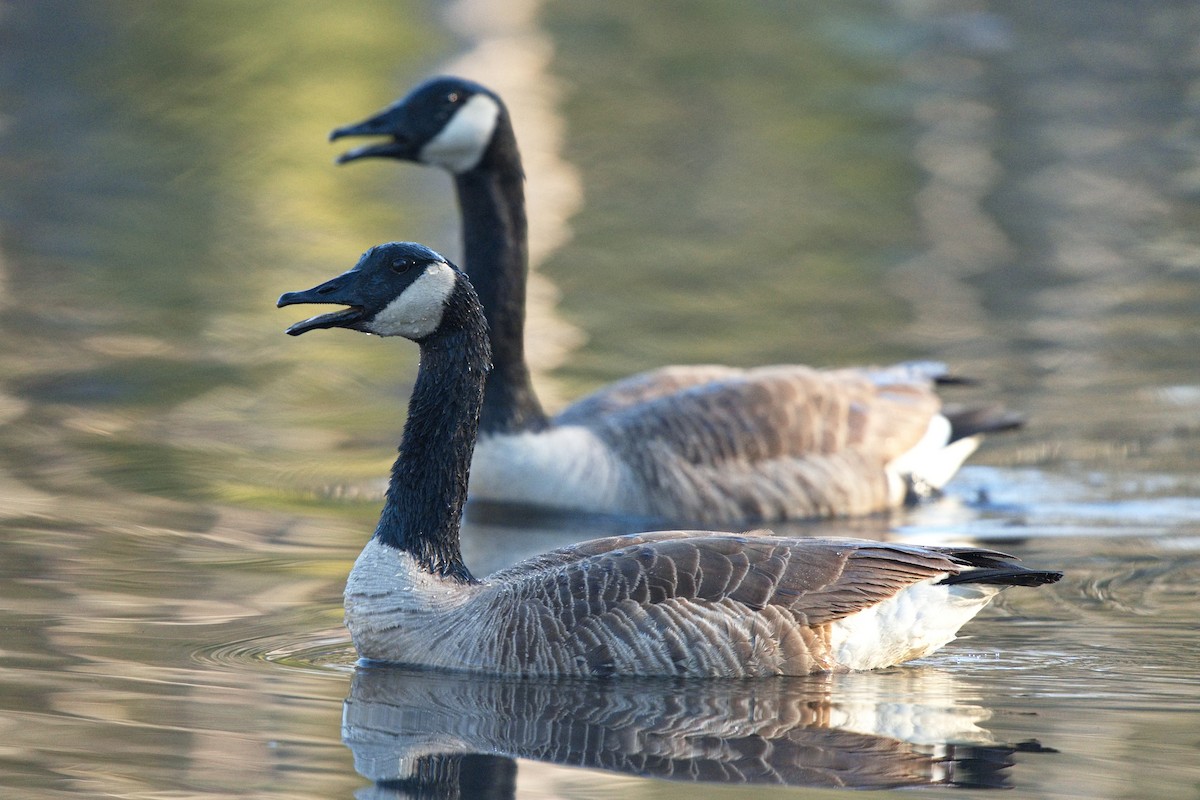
<point>669,603</point>
<point>698,444</point>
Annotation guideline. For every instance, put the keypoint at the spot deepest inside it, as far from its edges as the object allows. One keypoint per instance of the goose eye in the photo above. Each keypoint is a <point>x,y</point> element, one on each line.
<point>401,266</point>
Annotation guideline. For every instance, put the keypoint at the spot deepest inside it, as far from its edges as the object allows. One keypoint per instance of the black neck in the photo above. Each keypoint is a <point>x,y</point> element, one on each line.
<point>491,199</point>
<point>428,487</point>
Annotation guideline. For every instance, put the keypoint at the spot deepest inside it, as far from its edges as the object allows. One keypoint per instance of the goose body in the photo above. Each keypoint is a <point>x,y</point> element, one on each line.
<point>689,603</point>
<point>706,444</point>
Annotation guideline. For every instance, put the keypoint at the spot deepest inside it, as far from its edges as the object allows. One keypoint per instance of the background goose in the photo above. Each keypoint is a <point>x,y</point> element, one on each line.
<point>671,603</point>
<point>704,444</point>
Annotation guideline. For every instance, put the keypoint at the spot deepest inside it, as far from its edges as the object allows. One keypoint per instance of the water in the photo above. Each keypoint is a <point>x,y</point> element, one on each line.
<point>1011,188</point>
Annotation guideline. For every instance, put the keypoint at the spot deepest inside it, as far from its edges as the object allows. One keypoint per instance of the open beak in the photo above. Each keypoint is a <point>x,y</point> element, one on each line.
<point>385,123</point>
<point>338,291</point>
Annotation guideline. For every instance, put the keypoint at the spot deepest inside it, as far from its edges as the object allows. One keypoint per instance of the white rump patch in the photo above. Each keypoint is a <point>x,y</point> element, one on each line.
<point>418,310</point>
<point>915,622</point>
<point>931,461</point>
<point>460,145</point>
<point>567,467</point>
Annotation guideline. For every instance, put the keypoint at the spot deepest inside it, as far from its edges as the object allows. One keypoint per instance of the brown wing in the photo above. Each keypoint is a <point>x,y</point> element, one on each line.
<point>818,580</point>
<point>681,603</point>
<point>772,443</point>
<point>775,412</point>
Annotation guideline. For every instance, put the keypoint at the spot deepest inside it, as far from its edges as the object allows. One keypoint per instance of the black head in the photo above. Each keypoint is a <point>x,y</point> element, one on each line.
<point>396,289</point>
<point>445,122</point>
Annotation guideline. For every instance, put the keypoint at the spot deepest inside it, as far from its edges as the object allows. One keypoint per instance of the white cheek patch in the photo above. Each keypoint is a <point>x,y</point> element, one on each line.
<point>462,142</point>
<point>418,310</point>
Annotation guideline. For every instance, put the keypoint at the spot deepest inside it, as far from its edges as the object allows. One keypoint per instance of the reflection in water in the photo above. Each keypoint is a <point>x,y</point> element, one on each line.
<point>421,734</point>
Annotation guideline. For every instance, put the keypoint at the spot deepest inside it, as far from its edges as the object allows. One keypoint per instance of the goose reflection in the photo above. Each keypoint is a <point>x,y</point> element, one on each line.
<point>429,735</point>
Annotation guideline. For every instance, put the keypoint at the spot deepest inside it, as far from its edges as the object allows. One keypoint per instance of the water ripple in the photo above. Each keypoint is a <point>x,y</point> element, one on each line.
<point>317,652</point>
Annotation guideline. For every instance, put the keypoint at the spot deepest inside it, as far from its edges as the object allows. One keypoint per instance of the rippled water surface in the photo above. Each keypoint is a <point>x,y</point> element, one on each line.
<point>1013,188</point>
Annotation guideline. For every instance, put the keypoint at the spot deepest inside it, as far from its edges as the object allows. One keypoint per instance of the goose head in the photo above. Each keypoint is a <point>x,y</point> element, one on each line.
<point>445,122</point>
<point>395,289</point>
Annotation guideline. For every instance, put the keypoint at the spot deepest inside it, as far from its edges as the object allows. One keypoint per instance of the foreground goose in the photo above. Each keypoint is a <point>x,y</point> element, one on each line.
<point>703,444</point>
<point>673,603</point>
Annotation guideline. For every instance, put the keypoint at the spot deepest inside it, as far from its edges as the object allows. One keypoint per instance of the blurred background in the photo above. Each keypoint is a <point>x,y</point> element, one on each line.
<point>1013,188</point>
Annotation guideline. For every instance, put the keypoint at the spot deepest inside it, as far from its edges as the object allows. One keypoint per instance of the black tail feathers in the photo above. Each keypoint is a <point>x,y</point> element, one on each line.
<point>969,420</point>
<point>1006,576</point>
